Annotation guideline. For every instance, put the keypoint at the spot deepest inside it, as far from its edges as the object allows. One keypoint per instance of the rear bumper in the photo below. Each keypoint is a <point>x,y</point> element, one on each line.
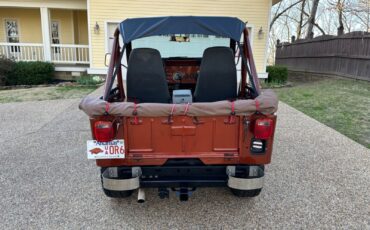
<point>129,178</point>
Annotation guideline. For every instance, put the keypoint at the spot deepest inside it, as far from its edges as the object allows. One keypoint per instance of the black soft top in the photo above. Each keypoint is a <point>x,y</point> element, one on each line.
<point>134,28</point>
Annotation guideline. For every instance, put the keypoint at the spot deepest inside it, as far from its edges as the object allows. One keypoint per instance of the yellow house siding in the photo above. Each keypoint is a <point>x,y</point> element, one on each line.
<point>80,27</point>
<point>29,23</point>
<point>256,12</point>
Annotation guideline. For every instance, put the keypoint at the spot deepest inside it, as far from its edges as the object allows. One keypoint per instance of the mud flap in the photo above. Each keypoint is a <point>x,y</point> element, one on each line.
<point>114,183</point>
<point>255,180</point>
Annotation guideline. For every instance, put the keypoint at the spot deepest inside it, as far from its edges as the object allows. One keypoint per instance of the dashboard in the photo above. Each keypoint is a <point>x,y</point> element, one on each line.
<point>182,71</point>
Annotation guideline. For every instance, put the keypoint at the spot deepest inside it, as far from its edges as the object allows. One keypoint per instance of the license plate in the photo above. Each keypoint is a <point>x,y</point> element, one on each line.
<point>114,149</point>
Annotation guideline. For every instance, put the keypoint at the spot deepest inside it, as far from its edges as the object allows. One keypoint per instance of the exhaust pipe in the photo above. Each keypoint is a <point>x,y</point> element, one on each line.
<point>141,196</point>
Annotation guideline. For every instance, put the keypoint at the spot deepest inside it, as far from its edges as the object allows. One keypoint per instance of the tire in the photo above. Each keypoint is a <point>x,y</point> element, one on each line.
<point>112,193</point>
<point>246,193</point>
<point>117,194</point>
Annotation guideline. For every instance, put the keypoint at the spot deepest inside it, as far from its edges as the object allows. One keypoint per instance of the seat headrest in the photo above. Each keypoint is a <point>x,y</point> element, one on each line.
<point>217,79</point>
<point>146,79</point>
<point>219,51</point>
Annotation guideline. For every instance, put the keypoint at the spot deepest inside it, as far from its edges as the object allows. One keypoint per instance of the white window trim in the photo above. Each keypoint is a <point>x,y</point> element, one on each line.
<point>251,35</point>
<point>100,70</point>
<point>5,29</point>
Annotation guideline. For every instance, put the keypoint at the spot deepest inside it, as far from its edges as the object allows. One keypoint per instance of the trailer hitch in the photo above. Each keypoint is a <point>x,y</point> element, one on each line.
<point>163,193</point>
<point>184,193</point>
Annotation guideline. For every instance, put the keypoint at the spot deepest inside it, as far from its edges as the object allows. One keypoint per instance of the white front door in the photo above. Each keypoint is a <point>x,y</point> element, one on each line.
<point>111,28</point>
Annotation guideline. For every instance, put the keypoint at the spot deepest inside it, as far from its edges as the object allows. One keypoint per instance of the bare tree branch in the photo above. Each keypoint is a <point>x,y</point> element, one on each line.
<point>319,28</point>
<point>277,15</point>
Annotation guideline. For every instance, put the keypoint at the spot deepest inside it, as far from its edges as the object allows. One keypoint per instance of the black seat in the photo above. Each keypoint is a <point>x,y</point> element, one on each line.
<point>146,79</point>
<point>217,78</point>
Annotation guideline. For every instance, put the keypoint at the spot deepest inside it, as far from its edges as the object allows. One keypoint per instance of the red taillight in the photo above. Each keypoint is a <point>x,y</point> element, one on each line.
<point>103,131</point>
<point>263,128</point>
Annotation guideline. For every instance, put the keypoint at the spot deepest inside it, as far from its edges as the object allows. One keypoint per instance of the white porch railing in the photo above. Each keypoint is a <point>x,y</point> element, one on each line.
<point>70,54</point>
<point>22,51</point>
<point>60,53</point>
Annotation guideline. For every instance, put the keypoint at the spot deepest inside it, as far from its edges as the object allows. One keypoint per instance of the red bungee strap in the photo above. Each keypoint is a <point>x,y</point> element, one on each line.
<point>173,109</point>
<point>136,120</point>
<point>107,106</point>
<point>187,108</point>
<point>257,105</point>
<point>232,114</point>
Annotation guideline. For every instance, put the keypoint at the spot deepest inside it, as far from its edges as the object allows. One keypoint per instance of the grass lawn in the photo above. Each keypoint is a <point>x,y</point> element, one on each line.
<point>341,104</point>
<point>45,93</point>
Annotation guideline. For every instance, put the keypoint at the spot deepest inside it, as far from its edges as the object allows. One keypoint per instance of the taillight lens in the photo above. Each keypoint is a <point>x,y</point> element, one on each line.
<point>263,128</point>
<point>103,131</point>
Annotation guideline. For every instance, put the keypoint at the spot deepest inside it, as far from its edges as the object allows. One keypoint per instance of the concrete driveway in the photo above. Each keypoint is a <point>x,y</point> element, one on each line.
<point>318,179</point>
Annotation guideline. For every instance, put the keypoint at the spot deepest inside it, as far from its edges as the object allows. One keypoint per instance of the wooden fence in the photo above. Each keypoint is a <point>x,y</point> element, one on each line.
<point>347,55</point>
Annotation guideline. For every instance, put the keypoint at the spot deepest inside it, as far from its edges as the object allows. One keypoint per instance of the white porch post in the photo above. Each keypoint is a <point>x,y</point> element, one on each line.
<point>45,25</point>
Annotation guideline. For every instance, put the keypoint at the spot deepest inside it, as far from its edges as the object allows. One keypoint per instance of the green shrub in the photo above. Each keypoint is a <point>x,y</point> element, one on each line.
<point>6,67</point>
<point>31,73</point>
<point>277,74</point>
<point>89,80</point>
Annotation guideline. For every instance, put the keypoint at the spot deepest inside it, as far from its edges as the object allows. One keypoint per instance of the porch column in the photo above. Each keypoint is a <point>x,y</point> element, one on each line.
<point>45,25</point>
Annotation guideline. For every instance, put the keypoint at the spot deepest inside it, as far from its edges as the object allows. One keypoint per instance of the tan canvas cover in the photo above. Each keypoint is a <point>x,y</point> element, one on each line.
<point>265,103</point>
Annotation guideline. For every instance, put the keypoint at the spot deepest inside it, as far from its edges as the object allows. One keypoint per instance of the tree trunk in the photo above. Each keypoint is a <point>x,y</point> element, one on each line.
<point>299,29</point>
<point>340,8</point>
<point>311,20</point>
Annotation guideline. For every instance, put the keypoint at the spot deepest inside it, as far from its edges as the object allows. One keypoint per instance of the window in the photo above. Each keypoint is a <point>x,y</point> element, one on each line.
<point>12,34</point>
<point>55,39</point>
<point>193,47</point>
